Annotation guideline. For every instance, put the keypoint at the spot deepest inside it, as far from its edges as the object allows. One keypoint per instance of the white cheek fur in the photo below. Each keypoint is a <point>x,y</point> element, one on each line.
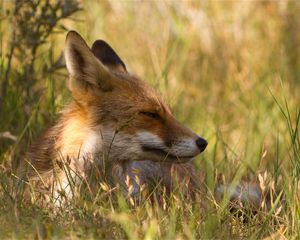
<point>123,145</point>
<point>183,147</point>
<point>150,139</point>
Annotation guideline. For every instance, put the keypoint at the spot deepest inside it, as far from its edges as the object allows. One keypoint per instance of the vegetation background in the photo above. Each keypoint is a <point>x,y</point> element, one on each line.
<point>229,69</point>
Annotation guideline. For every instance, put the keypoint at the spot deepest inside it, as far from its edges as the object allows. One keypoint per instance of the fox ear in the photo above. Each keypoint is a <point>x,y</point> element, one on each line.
<point>84,68</point>
<point>104,52</point>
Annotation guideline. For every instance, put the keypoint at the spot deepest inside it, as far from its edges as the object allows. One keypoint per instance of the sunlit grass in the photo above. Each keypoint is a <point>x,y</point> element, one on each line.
<point>230,71</point>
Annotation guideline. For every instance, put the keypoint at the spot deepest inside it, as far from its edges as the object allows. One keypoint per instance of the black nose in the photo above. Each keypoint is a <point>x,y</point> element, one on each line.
<point>201,143</point>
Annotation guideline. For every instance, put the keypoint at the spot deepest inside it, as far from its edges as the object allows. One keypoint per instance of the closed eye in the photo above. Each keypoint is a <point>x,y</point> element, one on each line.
<point>152,115</point>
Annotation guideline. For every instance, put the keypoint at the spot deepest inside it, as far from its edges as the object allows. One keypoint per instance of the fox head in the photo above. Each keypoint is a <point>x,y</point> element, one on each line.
<point>127,119</point>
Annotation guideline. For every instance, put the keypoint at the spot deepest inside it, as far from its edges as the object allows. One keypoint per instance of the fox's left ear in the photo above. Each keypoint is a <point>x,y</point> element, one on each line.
<point>105,53</point>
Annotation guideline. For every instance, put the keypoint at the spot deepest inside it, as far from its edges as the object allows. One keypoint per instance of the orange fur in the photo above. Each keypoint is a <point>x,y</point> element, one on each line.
<point>116,121</point>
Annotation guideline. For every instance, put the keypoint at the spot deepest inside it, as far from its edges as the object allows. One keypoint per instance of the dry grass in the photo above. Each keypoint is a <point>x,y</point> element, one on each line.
<point>229,69</point>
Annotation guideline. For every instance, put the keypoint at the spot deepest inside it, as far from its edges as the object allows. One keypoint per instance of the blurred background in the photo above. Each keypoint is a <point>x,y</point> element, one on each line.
<point>229,70</point>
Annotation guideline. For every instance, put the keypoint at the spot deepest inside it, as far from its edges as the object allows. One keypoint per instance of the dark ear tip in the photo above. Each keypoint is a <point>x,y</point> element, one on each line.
<point>100,44</point>
<point>105,53</point>
<point>72,33</point>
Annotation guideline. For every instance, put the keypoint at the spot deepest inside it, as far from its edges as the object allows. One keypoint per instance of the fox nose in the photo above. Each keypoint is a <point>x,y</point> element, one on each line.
<point>201,143</point>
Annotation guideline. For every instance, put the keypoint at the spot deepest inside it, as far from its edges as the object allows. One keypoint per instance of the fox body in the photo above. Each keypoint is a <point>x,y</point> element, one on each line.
<point>115,122</point>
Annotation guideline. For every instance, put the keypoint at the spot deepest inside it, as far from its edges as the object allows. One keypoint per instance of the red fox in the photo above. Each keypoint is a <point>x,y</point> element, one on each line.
<point>116,122</point>
<point>119,125</point>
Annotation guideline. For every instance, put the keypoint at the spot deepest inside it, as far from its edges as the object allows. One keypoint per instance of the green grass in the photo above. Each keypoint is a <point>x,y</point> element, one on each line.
<point>229,69</point>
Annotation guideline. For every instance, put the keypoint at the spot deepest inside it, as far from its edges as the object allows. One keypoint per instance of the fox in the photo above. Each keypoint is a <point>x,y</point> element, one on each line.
<point>116,122</point>
<point>117,127</point>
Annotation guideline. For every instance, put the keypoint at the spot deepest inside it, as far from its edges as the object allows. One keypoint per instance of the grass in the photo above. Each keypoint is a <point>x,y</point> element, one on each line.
<point>230,71</point>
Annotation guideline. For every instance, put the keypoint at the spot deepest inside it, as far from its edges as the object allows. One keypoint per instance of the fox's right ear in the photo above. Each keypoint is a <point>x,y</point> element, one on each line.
<point>107,55</point>
<point>84,68</point>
